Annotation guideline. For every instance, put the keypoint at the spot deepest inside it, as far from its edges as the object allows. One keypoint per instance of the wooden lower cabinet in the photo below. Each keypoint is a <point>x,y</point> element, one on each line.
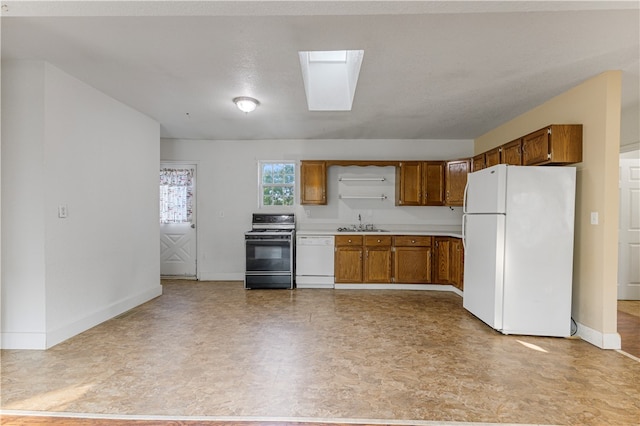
<point>442,262</point>
<point>363,259</point>
<point>449,261</point>
<point>383,259</point>
<point>348,259</point>
<point>377,259</point>
<point>457,263</point>
<point>412,259</point>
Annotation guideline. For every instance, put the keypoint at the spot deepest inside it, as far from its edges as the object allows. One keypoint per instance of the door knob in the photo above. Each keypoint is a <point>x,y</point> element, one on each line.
<point>193,226</point>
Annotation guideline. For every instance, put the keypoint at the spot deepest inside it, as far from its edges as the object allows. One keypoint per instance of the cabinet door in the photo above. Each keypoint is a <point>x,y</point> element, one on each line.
<point>442,264</point>
<point>512,153</point>
<point>457,263</point>
<point>455,181</point>
<point>433,183</point>
<point>535,148</point>
<point>377,264</point>
<point>313,182</point>
<point>348,264</point>
<point>412,265</point>
<point>478,163</point>
<point>409,184</point>
<point>491,158</point>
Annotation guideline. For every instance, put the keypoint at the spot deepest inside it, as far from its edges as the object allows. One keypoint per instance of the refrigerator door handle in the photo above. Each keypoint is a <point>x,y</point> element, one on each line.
<point>464,235</point>
<point>464,198</point>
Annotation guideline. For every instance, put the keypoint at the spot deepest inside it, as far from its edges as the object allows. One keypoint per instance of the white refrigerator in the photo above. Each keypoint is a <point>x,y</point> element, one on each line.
<point>518,227</point>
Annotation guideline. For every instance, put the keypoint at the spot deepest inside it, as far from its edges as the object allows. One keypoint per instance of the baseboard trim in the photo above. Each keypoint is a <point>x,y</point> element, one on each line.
<point>599,339</point>
<point>78,326</point>
<point>370,286</point>
<point>41,341</point>
<point>13,340</point>
<point>212,276</point>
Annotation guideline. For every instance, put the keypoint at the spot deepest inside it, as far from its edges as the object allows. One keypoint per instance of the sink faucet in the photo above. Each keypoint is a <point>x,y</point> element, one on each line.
<point>359,221</point>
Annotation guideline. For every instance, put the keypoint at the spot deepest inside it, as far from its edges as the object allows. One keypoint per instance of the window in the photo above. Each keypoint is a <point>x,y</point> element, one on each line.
<point>176,195</point>
<point>277,183</point>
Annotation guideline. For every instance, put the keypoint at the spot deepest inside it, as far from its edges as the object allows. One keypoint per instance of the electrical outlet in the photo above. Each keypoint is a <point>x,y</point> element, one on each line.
<point>594,218</point>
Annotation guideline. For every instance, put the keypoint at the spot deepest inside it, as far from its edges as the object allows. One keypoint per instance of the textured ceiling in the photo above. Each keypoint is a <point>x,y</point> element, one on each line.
<point>431,70</point>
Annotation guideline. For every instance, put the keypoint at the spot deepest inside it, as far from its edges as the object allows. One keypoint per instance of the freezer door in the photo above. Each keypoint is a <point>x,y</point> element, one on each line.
<point>486,188</point>
<point>484,267</point>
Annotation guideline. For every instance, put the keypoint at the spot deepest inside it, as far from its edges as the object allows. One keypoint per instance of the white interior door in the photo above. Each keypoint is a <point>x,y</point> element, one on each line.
<point>178,220</point>
<point>629,234</point>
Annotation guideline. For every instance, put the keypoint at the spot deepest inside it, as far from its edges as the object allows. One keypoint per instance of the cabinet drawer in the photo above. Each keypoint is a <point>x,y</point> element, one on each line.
<point>375,240</point>
<point>348,240</point>
<point>412,240</point>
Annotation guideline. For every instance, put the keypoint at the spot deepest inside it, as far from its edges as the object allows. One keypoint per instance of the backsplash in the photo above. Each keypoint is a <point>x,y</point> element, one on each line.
<point>369,193</point>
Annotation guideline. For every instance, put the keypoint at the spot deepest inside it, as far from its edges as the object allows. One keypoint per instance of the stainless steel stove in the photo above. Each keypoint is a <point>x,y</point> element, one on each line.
<point>269,248</point>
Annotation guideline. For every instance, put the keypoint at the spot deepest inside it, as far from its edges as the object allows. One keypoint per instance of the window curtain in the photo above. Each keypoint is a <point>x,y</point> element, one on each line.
<point>176,195</point>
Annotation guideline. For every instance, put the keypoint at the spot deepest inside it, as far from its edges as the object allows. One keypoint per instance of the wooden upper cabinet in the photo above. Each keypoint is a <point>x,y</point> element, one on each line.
<point>313,182</point>
<point>420,183</point>
<point>492,157</point>
<point>433,183</point>
<point>553,145</point>
<point>512,153</point>
<point>456,179</point>
<point>478,163</point>
<point>409,183</point>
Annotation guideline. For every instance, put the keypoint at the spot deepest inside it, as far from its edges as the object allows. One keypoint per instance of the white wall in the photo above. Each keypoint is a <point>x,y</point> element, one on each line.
<point>630,129</point>
<point>227,179</point>
<point>65,143</point>
<point>23,249</point>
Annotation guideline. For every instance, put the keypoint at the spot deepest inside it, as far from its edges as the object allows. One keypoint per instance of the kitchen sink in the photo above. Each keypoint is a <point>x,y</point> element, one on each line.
<point>357,229</point>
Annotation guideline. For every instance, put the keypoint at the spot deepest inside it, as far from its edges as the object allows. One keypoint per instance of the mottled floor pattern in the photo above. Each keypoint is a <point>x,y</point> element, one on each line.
<point>629,326</point>
<point>215,349</point>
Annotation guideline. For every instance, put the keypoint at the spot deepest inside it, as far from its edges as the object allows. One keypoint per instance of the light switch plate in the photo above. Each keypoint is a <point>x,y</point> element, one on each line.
<point>594,218</point>
<point>62,211</point>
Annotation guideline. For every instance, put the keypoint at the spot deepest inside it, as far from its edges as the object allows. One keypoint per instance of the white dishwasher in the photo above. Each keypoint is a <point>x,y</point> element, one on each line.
<point>314,261</point>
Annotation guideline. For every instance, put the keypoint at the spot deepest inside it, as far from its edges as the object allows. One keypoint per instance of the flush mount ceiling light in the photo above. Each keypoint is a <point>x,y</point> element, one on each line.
<point>245,103</point>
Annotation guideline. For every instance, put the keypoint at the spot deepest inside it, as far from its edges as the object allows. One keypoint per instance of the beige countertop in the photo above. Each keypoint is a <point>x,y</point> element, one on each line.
<point>457,233</point>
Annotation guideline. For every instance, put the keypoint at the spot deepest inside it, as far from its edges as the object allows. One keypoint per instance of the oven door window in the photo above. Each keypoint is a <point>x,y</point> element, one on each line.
<point>268,255</point>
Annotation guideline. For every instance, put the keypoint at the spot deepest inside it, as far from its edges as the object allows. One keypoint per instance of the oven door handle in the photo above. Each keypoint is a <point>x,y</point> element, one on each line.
<point>268,240</point>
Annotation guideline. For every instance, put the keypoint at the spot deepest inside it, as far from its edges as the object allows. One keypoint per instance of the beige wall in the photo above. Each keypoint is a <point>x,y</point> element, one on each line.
<point>596,105</point>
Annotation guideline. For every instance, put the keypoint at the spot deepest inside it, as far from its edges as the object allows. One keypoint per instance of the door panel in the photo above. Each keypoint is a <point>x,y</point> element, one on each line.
<point>486,190</point>
<point>483,267</point>
<point>629,235</point>
<point>178,248</point>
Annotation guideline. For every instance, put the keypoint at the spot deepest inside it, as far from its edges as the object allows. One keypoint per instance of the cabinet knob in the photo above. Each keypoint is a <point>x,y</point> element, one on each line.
<point>413,241</point>
<point>379,241</point>
<point>349,240</point>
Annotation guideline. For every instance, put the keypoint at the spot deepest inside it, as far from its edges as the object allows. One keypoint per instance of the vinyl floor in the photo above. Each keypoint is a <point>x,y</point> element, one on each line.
<point>629,326</point>
<point>215,349</point>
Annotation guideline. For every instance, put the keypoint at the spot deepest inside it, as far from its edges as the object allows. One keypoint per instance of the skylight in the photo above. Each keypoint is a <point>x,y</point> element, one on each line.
<point>330,78</point>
